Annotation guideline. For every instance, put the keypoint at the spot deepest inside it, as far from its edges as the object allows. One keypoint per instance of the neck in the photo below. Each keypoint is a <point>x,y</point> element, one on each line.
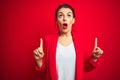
<point>68,34</point>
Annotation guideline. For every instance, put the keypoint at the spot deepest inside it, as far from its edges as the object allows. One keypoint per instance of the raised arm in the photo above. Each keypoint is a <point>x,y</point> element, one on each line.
<point>92,61</point>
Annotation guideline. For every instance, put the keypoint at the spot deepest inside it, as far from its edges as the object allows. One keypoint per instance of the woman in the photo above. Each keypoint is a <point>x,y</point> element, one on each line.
<point>60,55</point>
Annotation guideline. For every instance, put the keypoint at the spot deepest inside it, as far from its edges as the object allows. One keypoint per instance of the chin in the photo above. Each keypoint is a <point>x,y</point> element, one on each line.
<point>64,31</point>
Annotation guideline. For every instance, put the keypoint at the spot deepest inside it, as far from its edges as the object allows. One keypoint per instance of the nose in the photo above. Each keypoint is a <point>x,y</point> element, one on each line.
<point>64,18</point>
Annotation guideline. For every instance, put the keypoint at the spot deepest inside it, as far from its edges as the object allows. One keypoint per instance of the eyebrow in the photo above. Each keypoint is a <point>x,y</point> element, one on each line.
<point>62,12</point>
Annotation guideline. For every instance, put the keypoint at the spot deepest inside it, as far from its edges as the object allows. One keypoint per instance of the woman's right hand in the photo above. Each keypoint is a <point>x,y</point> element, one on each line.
<point>38,53</point>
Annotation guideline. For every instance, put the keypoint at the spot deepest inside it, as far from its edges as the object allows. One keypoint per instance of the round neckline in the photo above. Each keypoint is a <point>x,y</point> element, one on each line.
<point>65,46</point>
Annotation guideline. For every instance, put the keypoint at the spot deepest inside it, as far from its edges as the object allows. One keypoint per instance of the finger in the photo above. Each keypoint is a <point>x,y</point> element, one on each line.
<point>40,52</point>
<point>35,52</point>
<point>99,50</point>
<point>41,44</point>
<point>95,45</point>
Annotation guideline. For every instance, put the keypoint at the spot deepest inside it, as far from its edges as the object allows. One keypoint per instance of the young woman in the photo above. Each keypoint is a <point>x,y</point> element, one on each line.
<point>61,56</point>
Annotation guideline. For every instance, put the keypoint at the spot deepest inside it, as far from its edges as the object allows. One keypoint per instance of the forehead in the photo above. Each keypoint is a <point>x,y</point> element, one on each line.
<point>65,10</point>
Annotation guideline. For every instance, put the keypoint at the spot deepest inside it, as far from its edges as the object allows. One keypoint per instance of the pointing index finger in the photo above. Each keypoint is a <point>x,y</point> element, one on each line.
<point>41,43</point>
<point>95,45</point>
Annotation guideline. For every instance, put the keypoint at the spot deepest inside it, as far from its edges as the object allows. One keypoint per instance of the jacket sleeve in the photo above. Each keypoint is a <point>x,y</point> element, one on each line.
<point>90,64</point>
<point>42,68</point>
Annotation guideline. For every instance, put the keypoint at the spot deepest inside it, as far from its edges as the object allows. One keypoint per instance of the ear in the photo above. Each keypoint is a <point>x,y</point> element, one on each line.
<point>73,20</point>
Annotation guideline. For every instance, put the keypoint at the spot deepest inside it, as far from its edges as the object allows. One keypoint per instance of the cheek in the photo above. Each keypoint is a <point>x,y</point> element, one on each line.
<point>59,22</point>
<point>71,22</point>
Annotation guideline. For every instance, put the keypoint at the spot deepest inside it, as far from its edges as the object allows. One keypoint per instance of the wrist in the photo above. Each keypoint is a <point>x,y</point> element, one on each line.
<point>94,58</point>
<point>39,62</point>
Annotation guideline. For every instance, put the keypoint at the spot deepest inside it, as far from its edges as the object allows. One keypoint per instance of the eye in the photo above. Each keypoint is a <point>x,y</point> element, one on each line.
<point>60,15</point>
<point>69,15</point>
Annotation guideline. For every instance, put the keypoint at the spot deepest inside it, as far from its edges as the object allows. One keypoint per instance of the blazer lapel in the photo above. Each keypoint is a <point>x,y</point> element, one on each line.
<point>52,57</point>
<point>79,56</point>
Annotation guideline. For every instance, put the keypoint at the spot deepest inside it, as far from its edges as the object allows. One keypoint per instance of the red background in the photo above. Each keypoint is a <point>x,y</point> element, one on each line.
<point>23,22</point>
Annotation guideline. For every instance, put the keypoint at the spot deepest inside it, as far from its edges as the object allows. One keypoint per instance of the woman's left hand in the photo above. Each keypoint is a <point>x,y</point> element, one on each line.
<point>97,52</point>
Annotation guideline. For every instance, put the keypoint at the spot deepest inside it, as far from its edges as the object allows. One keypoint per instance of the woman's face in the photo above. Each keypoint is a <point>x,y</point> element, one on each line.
<point>65,20</point>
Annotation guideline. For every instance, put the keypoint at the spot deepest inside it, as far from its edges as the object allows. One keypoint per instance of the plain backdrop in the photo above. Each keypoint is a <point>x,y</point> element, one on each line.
<point>23,22</point>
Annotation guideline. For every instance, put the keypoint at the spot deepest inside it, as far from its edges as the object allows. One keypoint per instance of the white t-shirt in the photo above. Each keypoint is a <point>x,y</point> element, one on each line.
<point>65,62</point>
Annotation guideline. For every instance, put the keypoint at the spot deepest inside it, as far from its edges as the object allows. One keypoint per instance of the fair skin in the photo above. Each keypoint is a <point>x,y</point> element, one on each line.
<point>65,16</point>
<point>65,21</point>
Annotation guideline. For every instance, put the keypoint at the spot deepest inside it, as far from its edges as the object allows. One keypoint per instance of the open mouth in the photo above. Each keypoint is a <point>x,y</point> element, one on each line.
<point>65,25</point>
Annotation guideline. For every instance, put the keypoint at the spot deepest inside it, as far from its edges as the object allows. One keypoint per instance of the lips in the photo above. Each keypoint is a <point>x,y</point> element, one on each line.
<point>65,25</point>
